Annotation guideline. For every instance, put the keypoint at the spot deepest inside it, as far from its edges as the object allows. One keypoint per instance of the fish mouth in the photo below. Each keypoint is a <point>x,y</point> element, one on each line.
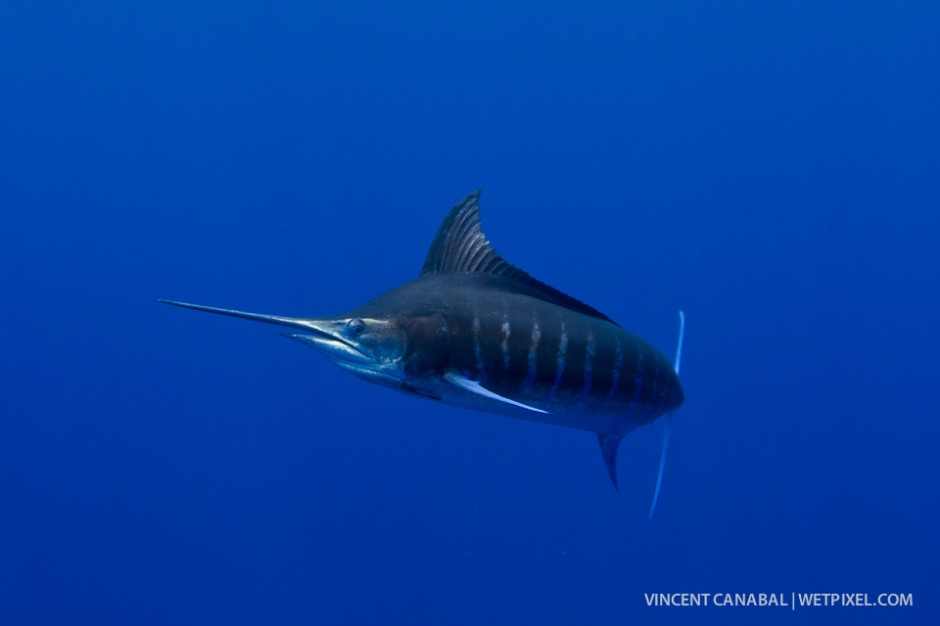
<point>333,347</point>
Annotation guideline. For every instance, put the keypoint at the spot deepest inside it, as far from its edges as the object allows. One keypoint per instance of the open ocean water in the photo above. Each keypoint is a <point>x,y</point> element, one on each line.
<point>770,168</point>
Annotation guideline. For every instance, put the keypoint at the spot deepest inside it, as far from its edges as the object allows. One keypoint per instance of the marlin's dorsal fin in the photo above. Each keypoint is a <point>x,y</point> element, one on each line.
<point>461,246</point>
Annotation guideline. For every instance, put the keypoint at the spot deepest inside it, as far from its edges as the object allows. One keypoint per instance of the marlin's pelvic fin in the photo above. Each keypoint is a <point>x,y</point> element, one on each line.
<point>474,387</point>
<point>668,427</point>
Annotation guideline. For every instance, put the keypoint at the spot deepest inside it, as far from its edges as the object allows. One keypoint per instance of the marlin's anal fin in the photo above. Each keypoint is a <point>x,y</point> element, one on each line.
<point>609,445</point>
<point>475,387</point>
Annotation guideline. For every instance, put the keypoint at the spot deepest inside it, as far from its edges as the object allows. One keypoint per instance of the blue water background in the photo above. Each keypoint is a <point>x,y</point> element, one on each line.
<point>771,168</point>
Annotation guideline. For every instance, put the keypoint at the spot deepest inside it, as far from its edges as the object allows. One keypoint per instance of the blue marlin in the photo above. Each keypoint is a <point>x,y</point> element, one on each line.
<point>477,332</point>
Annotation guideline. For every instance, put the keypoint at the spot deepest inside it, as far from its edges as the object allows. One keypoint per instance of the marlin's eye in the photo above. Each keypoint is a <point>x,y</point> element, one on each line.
<point>356,326</point>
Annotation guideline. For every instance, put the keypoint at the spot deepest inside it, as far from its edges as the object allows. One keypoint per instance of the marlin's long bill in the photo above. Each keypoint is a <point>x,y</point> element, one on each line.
<point>337,339</point>
<point>290,322</point>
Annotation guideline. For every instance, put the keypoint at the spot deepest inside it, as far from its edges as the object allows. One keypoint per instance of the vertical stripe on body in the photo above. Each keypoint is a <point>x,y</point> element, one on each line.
<point>504,346</point>
<point>615,376</point>
<point>590,352</point>
<point>536,336</point>
<point>560,360</point>
<point>476,345</point>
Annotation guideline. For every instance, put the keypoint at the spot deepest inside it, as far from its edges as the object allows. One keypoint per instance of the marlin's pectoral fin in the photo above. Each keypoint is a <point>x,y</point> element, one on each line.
<point>475,387</point>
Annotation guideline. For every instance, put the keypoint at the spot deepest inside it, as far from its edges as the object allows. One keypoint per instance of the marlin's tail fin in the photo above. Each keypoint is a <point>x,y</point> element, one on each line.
<point>668,427</point>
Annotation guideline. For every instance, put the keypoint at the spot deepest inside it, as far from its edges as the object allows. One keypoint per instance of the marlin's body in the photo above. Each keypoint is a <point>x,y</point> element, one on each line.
<point>583,372</point>
<point>476,332</point>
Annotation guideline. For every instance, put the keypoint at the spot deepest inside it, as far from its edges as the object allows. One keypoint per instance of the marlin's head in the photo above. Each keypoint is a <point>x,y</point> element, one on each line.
<point>381,348</point>
<point>367,346</point>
